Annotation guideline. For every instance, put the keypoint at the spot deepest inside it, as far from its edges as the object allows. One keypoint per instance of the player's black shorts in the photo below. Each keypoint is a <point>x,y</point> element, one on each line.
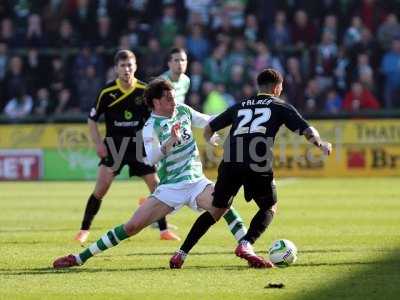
<point>134,161</point>
<point>257,186</point>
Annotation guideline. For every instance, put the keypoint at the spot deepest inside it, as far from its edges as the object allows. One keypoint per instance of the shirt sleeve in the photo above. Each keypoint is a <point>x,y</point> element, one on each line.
<point>223,120</point>
<point>293,120</point>
<point>98,108</point>
<point>199,119</point>
<point>151,143</point>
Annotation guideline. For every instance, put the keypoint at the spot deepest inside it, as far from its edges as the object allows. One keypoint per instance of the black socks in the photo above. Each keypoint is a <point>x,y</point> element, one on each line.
<point>92,207</point>
<point>199,228</point>
<point>258,224</point>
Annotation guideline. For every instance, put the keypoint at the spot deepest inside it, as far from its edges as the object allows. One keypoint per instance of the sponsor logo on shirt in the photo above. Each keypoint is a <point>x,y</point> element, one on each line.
<point>126,124</point>
<point>128,115</point>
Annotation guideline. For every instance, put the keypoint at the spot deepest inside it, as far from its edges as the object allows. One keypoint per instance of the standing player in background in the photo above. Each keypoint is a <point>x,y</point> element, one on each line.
<point>121,102</point>
<point>177,65</point>
<point>248,161</point>
<point>170,145</point>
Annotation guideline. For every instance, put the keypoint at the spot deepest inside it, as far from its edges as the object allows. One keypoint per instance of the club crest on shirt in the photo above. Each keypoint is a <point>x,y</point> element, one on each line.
<point>139,100</point>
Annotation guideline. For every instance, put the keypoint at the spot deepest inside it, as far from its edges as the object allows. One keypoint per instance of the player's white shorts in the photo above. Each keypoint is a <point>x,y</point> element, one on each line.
<point>178,195</point>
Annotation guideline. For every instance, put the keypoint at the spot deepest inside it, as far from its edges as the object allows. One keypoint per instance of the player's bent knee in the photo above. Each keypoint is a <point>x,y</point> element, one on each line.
<point>266,203</point>
<point>217,213</point>
<point>274,208</point>
<point>133,228</point>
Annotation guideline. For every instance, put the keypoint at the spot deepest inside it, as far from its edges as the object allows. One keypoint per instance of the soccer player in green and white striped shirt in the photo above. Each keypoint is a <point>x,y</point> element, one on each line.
<point>177,65</point>
<point>169,145</point>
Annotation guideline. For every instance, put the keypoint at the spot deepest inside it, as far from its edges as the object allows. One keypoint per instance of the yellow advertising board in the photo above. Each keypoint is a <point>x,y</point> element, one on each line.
<point>361,147</point>
<point>44,136</point>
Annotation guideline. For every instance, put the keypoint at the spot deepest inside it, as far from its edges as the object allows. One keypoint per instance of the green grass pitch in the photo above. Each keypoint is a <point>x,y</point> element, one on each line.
<point>347,232</point>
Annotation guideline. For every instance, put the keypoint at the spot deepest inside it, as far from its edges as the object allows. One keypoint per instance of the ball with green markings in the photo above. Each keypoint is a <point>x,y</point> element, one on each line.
<point>282,253</point>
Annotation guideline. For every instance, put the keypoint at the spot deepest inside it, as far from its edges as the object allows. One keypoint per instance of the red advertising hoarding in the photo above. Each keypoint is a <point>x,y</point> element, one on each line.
<point>21,164</point>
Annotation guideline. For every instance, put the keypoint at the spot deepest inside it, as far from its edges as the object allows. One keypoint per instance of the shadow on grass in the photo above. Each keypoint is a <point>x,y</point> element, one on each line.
<point>46,271</point>
<point>375,265</point>
<point>349,250</point>
<point>368,281</point>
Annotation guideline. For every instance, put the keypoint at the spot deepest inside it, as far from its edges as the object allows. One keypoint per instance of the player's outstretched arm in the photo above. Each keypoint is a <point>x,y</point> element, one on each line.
<point>312,135</point>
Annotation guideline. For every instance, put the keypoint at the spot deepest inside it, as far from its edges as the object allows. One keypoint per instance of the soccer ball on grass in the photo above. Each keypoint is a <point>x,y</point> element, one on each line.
<point>282,253</point>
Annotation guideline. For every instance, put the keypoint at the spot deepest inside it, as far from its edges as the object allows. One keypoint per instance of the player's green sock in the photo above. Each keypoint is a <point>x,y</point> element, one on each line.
<point>235,224</point>
<point>112,238</point>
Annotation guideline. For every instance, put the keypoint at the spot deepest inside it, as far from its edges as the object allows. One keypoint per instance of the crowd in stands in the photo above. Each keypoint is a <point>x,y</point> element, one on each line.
<point>336,55</point>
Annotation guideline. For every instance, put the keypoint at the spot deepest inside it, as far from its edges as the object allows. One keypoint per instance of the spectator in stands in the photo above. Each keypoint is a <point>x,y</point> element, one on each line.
<point>368,45</point>
<point>20,105</point>
<point>340,73</point>
<point>8,34</point>
<point>104,38</point>
<point>279,33</point>
<point>198,45</point>
<point>64,103</point>
<point>234,10</point>
<point>251,31</point>
<point>52,13</point>
<point>303,31</point>
<point>247,90</point>
<point>330,24</point>
<point>87,88</point>
<point>194,101</point>
<point>135,34</point>
<point>388,30</point>
<point>58,77</point>
<point>312,96</point>
<point>67,37</point>
<point>35,36</point>
<point>333,102</point>
<point>179,41</point>
<point>371,13</point>
<point>364,72</point>
<point>41,102</point>
<point>83,16</point>
<point>352,36</point>
<point>196,77</point>
<point>216,67</point>
<point>390,68</point>
<point>327,53</point>
<point>36,70</point>
<point>264,59</point>
<point>168,26</point>
<point>200,8</point>
<point>87,57</point>
<point>294,82</point>
<point>152,59</point>
<point>359,98</point>
<point>237,78</point>
<point>221,27</point>
<point>239,54</point>
<point>15,78</point>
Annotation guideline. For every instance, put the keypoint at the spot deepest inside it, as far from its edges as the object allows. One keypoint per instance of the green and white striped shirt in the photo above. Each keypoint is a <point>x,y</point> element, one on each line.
<point>181,86</point>
<point>182,163</point>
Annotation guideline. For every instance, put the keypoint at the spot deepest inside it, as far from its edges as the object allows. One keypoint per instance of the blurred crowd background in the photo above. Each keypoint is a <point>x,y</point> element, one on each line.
<point>337,56</point>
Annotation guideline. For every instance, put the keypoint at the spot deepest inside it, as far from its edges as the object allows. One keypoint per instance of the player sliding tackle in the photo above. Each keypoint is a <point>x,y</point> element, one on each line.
<point>170,145</point>
<point>247,162</point>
